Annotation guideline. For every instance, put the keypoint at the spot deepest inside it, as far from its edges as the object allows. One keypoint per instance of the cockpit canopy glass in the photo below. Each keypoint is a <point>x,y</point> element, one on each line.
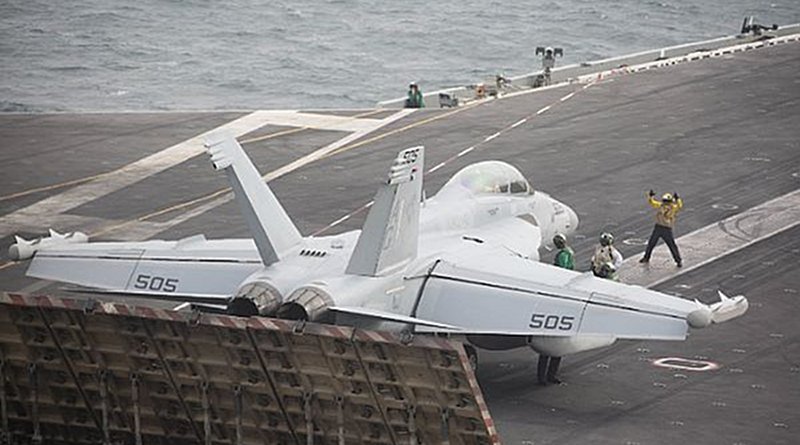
<point>490,178</point>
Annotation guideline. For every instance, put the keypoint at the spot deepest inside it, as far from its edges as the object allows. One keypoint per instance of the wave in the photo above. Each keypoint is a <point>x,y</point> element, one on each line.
<point>16,107</point>
<point>309,53</point>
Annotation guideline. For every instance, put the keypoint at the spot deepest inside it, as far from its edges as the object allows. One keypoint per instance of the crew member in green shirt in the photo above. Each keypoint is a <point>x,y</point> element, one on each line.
<point>547,368</point>
<point>414,99</point>
<point>565,257</point>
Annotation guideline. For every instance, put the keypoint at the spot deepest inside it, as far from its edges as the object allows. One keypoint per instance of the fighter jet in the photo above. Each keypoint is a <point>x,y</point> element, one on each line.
<point>463,263</point>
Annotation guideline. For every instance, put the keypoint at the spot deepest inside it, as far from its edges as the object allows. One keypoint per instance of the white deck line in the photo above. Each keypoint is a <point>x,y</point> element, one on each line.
<point>290,118</point>
<point>715,241</point>
<point>137,230</point>
<point>50,212</point>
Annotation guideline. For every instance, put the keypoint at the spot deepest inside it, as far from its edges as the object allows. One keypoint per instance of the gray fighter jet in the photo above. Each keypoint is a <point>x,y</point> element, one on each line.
<point>462,263</point>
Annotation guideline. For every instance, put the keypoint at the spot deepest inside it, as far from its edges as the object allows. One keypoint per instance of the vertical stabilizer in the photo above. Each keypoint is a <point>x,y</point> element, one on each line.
<point>273,231</point>
<point>389,237</point>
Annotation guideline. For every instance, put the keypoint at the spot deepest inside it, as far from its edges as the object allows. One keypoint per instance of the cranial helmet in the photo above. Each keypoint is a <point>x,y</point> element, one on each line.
<point>606,239</point>
<point>667,197</point>
<point>560,240</point>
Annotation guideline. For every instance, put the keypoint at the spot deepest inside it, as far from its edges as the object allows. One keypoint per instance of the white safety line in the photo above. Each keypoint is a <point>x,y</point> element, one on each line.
<point>292,118</point>
<point>135,230</point>
<point>542,110</point>
<point>50,212</point>
<point>465,151</point>
<point>328,149</point>
<point>717,240</point>
<point>437,167</point>
<point>519,122</point>
<point>490,137</point>
<point>567,97</point>
<point>344,218</point>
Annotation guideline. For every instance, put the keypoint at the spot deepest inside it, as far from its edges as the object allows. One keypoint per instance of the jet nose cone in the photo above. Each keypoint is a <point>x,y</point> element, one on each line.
<point>572,217</point>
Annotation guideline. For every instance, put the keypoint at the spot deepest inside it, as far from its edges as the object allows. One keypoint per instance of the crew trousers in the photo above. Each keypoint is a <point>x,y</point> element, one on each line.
<point>664,233</point>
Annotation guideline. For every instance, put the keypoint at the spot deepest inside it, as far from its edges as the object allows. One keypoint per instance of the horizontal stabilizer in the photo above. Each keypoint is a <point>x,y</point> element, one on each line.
<point>388,316</point>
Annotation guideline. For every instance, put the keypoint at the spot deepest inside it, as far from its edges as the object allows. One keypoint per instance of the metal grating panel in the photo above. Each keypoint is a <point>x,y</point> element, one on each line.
<point>78,371</point>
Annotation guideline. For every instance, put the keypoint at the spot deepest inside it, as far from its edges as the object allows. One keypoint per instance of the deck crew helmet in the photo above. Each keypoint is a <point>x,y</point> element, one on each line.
<point>667,197</point>
<point>560,240</point>
<point>606,239</point>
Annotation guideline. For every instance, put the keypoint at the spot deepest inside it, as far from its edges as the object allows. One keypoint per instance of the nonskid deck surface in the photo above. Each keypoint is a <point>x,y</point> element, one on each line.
<point>720,131</point>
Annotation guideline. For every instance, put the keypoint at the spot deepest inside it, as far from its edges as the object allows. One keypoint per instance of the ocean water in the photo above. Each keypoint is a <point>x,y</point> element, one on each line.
<point>105,55</point>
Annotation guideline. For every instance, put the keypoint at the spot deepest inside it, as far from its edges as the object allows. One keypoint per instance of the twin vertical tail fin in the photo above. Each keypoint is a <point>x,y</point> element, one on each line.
<point>388,239</point>
<point>272,230</point>
<point>389,236</point>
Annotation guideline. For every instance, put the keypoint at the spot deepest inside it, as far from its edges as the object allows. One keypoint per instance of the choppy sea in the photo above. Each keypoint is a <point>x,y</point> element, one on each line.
<point>106,55</point>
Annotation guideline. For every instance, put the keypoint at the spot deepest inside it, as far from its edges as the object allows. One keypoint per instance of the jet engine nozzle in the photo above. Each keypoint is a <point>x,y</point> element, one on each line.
<point>23,249</point>
<point>306,303</point>
<point>255,298</point>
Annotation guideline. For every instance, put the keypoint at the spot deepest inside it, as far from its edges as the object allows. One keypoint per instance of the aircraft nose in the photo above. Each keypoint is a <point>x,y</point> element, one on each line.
<point>572,218</point>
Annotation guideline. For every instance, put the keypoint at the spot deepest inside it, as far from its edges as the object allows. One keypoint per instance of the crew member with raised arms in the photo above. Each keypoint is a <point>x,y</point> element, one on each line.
<point>667,211</point>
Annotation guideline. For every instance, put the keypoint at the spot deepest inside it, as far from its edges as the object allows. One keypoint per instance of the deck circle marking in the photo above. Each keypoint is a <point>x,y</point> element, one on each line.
<point>634,242</point>
<point>724,206</point>
<point>685,364</point>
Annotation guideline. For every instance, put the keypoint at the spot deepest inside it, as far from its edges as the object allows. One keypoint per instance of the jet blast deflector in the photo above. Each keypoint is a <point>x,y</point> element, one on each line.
<point>84,372</point>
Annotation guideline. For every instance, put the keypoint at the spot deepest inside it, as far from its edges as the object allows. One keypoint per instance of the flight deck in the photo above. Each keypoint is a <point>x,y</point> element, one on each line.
<point>720,130</point>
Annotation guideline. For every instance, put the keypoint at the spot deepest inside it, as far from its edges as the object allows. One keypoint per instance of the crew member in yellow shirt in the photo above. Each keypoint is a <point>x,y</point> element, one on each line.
<point>667,211</point>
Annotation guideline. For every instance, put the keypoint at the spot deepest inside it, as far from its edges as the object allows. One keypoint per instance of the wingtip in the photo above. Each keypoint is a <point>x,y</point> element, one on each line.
<point>729,308</point>
<point>218,146</point>
<point>217,137</point>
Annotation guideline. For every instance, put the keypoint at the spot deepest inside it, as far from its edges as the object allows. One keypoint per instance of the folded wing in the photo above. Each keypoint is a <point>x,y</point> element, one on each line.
<point>273,231</point>
<point>508,295</point>
<point>192,269</point>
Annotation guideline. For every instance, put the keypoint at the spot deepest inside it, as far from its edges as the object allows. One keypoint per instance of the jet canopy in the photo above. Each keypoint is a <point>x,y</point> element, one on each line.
<point>488,178</point>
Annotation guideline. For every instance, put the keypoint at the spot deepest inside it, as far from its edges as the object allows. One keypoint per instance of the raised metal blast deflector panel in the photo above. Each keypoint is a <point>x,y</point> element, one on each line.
<point>78,371</point>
